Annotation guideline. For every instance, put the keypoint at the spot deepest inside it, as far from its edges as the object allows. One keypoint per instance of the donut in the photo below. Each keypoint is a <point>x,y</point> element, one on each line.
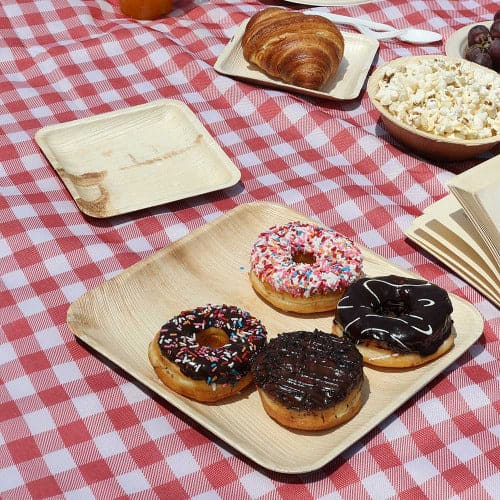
<point>205,354</point>
<point>396,322</point>
<point>303,267</point>
<point>309,380</point>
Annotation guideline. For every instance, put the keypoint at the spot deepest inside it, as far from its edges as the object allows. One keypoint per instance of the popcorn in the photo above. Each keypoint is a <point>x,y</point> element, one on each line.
<point>454,99</point>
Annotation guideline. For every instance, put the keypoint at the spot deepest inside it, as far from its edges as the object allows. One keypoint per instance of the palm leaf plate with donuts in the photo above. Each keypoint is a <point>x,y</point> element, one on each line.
<point>250,327</point>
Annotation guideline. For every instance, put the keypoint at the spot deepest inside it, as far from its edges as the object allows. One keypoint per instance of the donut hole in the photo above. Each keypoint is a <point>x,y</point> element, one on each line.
<point>393,308</point>
<point>212,337</point>
<point>301,257</point>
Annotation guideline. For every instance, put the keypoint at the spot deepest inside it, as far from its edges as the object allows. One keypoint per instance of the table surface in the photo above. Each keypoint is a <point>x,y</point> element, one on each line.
<point>72,424</point>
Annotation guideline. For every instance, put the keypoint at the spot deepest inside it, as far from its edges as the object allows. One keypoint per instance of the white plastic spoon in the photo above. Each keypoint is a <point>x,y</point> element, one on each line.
<point>410,35</point>
<point>382,31</point>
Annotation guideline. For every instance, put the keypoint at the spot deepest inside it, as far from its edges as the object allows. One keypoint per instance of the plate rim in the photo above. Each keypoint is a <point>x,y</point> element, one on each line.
<point>235,42</point>
<point>176,401</point>
<point>227,164</point>
<point>331,3</point>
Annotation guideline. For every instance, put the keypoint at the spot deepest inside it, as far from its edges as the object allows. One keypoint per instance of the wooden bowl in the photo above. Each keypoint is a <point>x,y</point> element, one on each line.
<point>432,146</point>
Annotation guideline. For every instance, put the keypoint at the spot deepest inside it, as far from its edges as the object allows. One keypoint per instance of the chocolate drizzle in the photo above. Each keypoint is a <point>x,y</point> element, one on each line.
<point>308,370</point>
<point>401,314</point>
<point>226,364</point>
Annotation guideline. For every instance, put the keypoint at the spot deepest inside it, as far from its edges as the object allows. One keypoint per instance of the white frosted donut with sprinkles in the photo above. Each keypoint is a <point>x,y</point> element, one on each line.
<point>303,267</point>
<point>206,353</point>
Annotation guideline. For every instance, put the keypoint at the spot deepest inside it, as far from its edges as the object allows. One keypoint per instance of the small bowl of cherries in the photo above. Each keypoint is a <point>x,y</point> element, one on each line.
<point>483,44</point>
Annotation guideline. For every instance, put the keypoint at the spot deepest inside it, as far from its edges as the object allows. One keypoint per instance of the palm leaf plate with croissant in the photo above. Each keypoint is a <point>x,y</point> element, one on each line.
<point>299,49</point>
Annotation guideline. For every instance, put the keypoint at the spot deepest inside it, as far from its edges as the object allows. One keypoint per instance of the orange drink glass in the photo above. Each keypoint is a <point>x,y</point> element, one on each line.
<point>145,9</point>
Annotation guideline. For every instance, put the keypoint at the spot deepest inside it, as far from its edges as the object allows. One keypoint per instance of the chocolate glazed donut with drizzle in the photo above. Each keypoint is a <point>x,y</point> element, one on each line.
<point>396,321</point>
<point>309,380</point>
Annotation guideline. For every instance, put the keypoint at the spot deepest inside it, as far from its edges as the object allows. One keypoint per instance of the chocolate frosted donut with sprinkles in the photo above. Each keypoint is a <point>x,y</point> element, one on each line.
<point>206,353</point>
<point>396,322</point>
<point>303,267</point>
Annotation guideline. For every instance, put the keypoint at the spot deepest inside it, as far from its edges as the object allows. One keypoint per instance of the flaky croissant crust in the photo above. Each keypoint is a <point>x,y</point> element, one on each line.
<point>302,50</point>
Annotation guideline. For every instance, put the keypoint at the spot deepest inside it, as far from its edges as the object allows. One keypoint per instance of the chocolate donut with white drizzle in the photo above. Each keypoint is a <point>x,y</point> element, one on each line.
<point>396,321</point>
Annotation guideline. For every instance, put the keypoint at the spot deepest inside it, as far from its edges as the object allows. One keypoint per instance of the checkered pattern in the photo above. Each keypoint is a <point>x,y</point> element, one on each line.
<point>69,424</point>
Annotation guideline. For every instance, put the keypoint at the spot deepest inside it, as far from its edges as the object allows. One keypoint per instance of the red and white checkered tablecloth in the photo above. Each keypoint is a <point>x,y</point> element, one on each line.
<point>73,426</point>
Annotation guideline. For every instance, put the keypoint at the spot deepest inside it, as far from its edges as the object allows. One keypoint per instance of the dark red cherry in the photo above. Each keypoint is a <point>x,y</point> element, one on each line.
<point>473,52</point>
<point>495,29</point>
<point>494,52</point>
<point>477,35</point>
<point>484,59</point>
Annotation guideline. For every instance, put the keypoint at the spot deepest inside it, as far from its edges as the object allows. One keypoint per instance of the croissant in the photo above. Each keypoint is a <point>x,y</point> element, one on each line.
<point>299,49</point>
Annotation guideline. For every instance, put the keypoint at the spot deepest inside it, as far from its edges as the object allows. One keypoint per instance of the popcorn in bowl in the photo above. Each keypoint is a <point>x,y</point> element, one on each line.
<point>447,98</point>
